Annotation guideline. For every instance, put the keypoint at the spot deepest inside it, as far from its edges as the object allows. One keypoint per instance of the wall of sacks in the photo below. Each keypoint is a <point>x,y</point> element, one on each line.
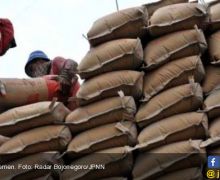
<point>149,106</point>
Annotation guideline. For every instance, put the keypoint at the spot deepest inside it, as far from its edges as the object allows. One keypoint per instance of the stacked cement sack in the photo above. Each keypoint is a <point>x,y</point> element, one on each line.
<point>32,131</point>
<point>104,125</point>
<point>211,83</point>
<point>34,136</point>
<point>172,129</point>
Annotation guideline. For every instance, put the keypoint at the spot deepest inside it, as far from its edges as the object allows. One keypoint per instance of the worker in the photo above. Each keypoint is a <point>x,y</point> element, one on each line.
<point>7,39</point>
<point>39,65</point>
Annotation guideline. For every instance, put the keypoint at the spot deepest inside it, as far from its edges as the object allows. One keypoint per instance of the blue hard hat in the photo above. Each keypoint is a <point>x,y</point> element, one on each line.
<point>35,55</point>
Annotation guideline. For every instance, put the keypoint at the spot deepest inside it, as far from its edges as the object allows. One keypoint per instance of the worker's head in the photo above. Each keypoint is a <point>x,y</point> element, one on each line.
<point>37,64</point>
<point>6,36</point>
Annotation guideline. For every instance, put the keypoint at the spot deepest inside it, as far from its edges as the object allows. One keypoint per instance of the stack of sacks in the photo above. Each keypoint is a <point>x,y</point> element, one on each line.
<point>114,163</point>
<point>212,79</point>
<point>127,23</point>
<point>111,70</point>
<point>212,108</point>
<point>170,158</point>
<point>114,63</point>
<point>36,161</point>
<point>106,120</point>
<point>211,84</point>
<point>36,136</point>
<point>168,118</point>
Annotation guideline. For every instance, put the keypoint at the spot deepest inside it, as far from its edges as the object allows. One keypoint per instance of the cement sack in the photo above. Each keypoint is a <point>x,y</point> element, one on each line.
<point>48,138</point>
<point>214,134</point>
<point>37,162</point>
<point>173,74</point>
<point>117,161</point>
<point>169,158</point>
<point>31,116</point>
<point>177,17</point>
<point>108,85</point>
<point>180,99</point>
<point>172,129</point>
<point>185,174</point>
<point>174,46</point>
<point>152,7</point>
<point>214,16</point>
<point>214,48</point>
<point>126,23</point>
<point>3,139</point>
<point>212,104</point>
<point>103,112</point>
<point>103,137</point>
<point>19,92</point>
<point>121,54</point>
<point>212,79</point>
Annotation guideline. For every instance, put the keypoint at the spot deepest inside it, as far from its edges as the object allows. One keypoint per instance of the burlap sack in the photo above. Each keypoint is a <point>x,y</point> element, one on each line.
<point>177,17</point>
<point>172,157</point>
<point>214,15</point>
<point>48,138</point>
<point>103,112</point>
<point>117,162</point>
<point>103,137</point>
<point>122,54</point>
<point>30,116</point>
<point>150,8</point>
<point>186,174</point>
<point>212,79</point>
<point>174,46</point>
<point>36,162</point>
<point>214,48</point>
<point>172,129</point>
<point>19,92</point>
<point>127,23</point>
<point>108,85</point>
<point>212,104</point>
<point>173,74</point>
<point>180,99</point>
<point>3,139</point>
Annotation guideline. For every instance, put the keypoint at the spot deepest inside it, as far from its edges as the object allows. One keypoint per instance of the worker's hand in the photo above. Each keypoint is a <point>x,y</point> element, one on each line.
<point>65,85</point>
<point>67,78</point>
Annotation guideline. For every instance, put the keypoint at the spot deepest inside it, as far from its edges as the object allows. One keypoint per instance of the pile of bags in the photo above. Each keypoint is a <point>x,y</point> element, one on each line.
<point>149,106</point>
<point>172,115</point>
